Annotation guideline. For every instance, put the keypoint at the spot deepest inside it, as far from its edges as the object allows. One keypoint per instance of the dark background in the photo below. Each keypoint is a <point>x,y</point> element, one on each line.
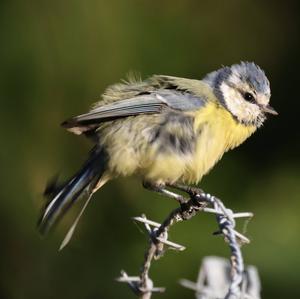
<point>56,59</point>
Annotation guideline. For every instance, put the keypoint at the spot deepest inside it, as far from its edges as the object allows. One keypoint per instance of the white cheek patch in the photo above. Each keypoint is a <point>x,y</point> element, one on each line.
<point>231,98</point>
<point>242,110</point>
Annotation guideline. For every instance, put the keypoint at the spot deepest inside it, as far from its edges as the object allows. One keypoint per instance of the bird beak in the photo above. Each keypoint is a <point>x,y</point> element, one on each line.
<point>268,109</point>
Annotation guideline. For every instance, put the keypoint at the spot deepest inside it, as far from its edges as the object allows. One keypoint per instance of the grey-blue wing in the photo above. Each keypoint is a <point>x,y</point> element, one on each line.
<point>150,102</point>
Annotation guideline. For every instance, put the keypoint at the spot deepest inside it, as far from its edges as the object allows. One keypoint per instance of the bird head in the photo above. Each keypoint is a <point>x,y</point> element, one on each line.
<point>244,90</point>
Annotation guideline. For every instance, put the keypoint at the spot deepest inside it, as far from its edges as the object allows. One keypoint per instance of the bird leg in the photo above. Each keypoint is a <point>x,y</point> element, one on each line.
<point>161,189</point>
<point>190,190</point>
<point>188,207</point>
<point>199,200</point>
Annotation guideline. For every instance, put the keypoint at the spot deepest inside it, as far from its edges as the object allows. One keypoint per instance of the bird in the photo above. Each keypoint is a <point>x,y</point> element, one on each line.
<point>166,130</point>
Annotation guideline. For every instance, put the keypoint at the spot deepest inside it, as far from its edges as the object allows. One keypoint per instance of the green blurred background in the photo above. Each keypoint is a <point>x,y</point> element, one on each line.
<point>56,59</point>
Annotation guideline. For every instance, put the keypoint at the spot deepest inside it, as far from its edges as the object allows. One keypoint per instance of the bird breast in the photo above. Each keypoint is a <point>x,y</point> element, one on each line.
<point>172,147</point>
<point>217,132</point>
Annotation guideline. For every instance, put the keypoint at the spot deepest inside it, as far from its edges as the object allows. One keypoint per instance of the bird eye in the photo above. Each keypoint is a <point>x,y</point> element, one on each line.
<point>248,96</point>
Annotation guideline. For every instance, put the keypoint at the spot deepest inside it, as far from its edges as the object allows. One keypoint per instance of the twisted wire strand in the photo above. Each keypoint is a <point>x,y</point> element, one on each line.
<point>142,285</point>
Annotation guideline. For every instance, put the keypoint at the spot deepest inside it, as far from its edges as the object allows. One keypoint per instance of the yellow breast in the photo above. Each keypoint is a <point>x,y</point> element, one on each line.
<point>215,129</point>
<point>217,132</point>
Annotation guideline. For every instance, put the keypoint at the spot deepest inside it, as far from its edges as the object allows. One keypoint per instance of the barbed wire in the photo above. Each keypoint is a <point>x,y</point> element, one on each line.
<point>143,286</point>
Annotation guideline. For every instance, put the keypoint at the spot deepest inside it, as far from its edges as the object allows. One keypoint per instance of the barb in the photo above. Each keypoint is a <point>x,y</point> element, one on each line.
<point>134,282</point>
<point>142,285</point>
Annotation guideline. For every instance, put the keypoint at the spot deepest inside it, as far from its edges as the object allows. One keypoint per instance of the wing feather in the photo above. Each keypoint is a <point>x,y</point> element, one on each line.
<point>145,103</point>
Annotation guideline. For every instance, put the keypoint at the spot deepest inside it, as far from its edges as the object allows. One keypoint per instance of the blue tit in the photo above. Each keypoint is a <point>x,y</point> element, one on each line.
<point>167,130</point>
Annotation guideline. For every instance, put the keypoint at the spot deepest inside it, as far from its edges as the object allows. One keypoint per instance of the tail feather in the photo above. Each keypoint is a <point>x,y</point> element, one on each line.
<point>63,197</point>
<point>71,230</point>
